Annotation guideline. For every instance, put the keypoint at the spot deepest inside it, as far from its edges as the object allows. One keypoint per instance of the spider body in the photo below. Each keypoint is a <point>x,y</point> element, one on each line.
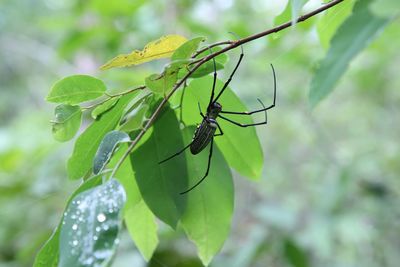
<point>206,131</point>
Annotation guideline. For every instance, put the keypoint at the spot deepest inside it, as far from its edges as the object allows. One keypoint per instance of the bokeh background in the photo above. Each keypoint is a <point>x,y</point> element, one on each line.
<point>329,193</point>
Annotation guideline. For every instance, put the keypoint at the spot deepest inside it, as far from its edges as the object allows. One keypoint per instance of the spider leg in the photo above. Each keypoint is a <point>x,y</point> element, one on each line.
<point>206,174</point>
<point>214,81</point>
<point>250,124</point>
<point>201,113</point>
<point>176,154</point>
<point>220,130</point>
<point>258,110</point>
<point>231,76</point>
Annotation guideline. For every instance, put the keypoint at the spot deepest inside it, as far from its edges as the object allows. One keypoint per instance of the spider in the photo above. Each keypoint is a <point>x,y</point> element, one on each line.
<point>206,130</point>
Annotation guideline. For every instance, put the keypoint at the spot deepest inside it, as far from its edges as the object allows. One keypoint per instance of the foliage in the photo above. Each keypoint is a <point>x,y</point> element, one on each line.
<point>145,194</point>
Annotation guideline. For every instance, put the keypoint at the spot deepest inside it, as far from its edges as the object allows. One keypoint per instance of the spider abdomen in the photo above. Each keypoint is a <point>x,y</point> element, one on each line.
<point>203,135</point>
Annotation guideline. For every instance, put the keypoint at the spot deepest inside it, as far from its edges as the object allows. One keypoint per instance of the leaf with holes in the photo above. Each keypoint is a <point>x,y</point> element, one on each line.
<point>208,214</point>
<point>107,148</point>
<point>91,224</point>
<point>161,48</point>
<point>66,122</point>
<point>76,89</point>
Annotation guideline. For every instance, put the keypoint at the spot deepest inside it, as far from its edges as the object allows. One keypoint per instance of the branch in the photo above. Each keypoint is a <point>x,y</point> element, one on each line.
<point>232,45</point>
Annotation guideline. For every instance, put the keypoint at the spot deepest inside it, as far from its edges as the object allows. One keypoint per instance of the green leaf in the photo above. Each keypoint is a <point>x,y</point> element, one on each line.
<point>350,39</point>
<point>76,89</point>
<point>160,184</point>
<point>100,109</point>
<point>187,49</point>
<point>48,255</point>
<point>331,20</point>
<point>295,255</point>
<point>163,83</point>
<point>134,119</point>
<point>107,147</point>
<point>67,122</point>
<point>87,143</point>
<point>161,48</point>
<point>91,224</point>
<point>142,227</point>
<point>208,214</point>
<point>385,8</point>
<point>207,67</point>
<point>240,146</point>
<point>139,220</point>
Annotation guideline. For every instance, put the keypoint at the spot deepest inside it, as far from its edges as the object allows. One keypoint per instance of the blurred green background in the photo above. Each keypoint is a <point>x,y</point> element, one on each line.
<point>330,186</point>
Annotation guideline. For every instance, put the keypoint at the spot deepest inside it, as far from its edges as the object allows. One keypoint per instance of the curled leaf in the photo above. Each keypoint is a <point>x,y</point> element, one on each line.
<point>106,149</point>
<point>67,122</point>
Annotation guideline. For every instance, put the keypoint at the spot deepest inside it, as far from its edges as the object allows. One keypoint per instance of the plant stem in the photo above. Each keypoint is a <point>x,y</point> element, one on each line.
<point>232,45</point>
<point>112,96</point>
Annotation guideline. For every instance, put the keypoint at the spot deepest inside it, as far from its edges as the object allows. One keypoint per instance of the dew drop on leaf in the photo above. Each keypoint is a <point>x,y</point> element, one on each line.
<point>101,217</point>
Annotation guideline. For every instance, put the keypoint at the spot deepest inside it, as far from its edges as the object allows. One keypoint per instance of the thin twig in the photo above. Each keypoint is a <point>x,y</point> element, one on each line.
<point>112,96</point>
<point>233,44</point>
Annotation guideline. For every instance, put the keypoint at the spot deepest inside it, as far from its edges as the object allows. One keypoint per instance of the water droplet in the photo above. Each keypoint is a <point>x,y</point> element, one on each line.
<point>105,227</point>
<point>78,202</point>
<point>101,217</point>
<point>116,241</point>
<point>98,229</point>
<point>73,217</point>
<point>75,243</point>
<point>65,213</point>
<point>95,237</point>
<point>74,227</point>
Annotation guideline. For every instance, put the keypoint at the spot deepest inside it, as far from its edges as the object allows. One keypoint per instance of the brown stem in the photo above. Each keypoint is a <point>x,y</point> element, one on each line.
<point>233,44</point>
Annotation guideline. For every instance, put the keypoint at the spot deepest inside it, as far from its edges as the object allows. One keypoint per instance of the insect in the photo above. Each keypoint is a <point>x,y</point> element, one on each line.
<point>207,129</point>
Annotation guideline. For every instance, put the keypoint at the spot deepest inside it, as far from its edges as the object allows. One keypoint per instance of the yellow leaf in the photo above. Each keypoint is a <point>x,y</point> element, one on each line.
<point>161,48</point>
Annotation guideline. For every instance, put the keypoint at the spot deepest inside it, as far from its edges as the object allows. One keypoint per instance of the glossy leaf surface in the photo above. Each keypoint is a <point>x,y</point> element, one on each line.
<point>76,89</point>
<point>91,224</point>
<point>48,255</point>
<point>107,147</point>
